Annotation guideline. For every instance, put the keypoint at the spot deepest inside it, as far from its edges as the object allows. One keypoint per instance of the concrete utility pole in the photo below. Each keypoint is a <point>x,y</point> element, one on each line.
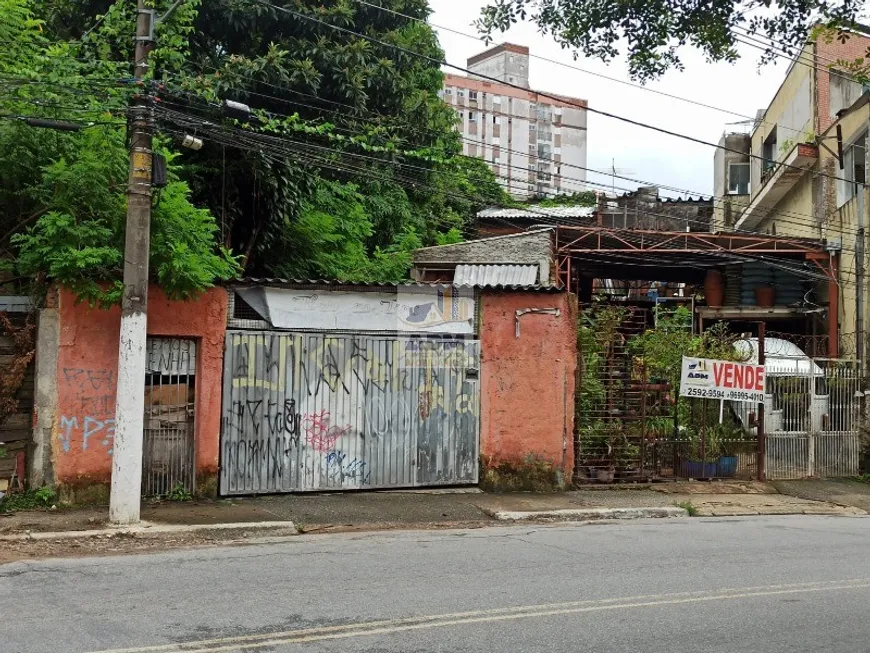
<point>124,501</point>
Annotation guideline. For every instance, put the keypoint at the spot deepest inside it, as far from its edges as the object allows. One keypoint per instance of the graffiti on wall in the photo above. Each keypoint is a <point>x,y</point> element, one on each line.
<point>305,411</point>
<point>88,425</point>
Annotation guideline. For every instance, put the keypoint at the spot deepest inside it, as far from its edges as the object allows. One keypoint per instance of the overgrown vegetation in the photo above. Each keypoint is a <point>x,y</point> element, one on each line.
<point>652,34</point>
<point>41,498</point>
<point>610,363</point>
<point>366,164</point>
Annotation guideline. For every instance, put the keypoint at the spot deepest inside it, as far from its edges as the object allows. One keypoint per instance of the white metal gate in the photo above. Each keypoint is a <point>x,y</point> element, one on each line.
<point>813,411</point>
<point>305,411</point>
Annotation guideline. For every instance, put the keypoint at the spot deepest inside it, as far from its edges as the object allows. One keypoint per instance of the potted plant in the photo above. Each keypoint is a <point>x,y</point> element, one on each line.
<point>703,452</point>
<point>729,435</point>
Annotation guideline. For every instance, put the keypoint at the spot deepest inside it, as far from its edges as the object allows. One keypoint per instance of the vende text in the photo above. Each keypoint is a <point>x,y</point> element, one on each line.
<point>739,377</point>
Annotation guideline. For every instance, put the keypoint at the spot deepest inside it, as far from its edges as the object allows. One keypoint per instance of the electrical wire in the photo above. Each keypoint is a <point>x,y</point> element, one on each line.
<point>571,67</point>
<point>809,224</point>
<point>606,114</point>
<point>304,152</point>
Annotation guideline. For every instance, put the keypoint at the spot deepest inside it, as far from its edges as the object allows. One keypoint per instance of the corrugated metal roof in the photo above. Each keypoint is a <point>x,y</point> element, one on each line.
<point>487,276</point>
<point>333,284</point>
<point>537,212</point>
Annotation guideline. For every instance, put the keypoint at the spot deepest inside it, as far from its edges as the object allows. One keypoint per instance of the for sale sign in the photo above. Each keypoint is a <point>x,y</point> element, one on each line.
<point>712,379</point>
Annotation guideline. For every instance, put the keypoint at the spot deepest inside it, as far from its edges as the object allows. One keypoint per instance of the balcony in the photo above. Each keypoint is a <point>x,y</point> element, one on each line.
<point>777,180</point>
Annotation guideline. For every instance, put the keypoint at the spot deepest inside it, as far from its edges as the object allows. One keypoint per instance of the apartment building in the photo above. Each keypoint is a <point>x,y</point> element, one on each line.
<point>798,170</point>
<point>535,145</point>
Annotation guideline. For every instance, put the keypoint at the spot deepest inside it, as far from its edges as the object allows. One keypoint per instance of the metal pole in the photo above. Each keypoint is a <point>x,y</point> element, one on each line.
<point>762,439</point>
<point>859,278</point>
<point>124,500</point>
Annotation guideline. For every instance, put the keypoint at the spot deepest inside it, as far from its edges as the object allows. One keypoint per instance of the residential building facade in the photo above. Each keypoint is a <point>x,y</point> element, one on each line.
<point>535,144</point>
<point>800,172</point>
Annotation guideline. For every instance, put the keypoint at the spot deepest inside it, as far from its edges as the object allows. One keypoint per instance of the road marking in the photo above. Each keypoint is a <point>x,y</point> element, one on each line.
<point>390,626</point>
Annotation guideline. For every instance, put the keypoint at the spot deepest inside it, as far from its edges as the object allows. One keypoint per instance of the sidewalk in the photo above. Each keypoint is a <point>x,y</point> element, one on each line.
<point>363,511</point>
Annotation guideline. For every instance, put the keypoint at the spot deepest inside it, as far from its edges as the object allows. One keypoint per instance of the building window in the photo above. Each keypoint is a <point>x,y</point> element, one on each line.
<point>472,95</point>
<point>738,179</point>
<point>495,120</point>
<point>768,151</point>
<point>460,93</point>
<point>472,116</point>
<point>448,91</point>
<point>854,172</point>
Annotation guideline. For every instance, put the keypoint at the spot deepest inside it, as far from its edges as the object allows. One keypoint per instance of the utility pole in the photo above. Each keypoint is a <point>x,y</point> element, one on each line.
<point>762,438</point>
<point>124,501</point>
<point>859,280</point>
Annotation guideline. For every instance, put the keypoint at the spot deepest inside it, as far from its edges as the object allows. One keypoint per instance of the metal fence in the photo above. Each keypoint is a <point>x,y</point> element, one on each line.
<point>306,411</point>
<point>168,447</point>
<point>813,417</point>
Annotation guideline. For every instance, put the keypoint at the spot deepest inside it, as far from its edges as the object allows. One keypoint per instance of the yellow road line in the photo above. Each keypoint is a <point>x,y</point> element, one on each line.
<point>389,626</point>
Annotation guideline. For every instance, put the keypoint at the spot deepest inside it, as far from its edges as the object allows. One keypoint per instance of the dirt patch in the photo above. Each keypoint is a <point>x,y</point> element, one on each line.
<point>716,487</point>
<point>842,492</point>
<point>120,544</point>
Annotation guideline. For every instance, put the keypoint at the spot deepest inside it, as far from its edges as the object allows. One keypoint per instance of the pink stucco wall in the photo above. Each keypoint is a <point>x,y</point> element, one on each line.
<point>87,367</point>
<point>527,383</point>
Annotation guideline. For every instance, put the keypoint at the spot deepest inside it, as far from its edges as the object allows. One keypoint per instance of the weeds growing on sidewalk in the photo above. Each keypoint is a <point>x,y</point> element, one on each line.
<point>689,507</point>
<point>44,497</point>
<point>179,493</point>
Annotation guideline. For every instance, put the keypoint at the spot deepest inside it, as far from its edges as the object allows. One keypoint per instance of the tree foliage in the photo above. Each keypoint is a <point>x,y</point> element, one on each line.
<point>62,197</point>
<point>364,166</point>
<point>652,33</point>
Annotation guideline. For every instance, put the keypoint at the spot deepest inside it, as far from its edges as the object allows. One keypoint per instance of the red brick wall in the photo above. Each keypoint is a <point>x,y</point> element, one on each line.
<point>87,367</point>
<point>854,48</point>
<point>527,383</point>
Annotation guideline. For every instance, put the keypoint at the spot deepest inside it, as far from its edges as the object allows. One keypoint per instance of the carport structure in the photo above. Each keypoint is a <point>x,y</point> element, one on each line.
<point>584,254</point>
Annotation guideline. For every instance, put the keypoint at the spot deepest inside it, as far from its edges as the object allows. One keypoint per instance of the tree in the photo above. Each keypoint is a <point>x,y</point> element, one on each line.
<point>653,32</point>
<point>62,198</point>
<point>376,110</point>
<point>351,126</point>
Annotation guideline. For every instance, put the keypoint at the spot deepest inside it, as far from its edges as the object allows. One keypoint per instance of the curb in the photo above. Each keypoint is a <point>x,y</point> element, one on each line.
<point>590,513</point>
<point>145,528</point>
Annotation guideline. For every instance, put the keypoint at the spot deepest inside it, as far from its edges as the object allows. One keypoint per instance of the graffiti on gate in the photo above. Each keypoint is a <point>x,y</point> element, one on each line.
<point>320,434</point>
<point>88,420</point>
<point>341,468</point>
<point>306,409</point>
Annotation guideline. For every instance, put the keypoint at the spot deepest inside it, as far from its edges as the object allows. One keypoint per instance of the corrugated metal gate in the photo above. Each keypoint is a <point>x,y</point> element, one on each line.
<point>305,411</point>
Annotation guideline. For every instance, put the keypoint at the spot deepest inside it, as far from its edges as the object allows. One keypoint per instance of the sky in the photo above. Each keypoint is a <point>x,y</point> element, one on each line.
<point>639,153</point>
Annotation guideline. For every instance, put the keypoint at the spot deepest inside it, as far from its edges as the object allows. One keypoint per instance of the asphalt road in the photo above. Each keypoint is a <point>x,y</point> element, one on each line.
<point>737,585</point>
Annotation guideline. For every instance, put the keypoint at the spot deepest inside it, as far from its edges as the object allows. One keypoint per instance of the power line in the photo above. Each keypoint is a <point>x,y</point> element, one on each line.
<point>606,114</point>
<point>811,224</point>
<point>248,140</point>
<point>569,66</point>
<point>811,221</point>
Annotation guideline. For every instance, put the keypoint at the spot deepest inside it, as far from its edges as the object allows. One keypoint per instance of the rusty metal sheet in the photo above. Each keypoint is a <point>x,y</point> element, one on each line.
<point>313,412</point>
